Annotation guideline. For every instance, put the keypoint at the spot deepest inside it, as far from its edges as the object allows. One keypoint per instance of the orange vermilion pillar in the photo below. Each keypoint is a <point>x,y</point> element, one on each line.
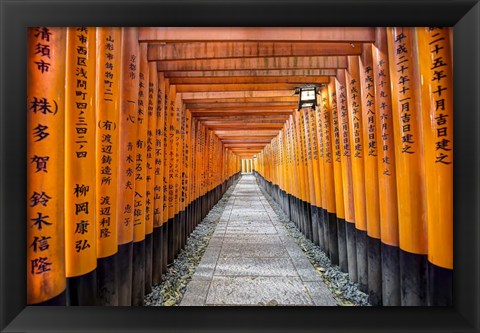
<point>358,168</point>
<point>386,172</point>
<point>437,106</point>
<point>107,123</point>
<point>150,175</point>
<point>129,78</point>
<point>367,96</point>
<point>80,204</point>
<point>323,214</point>
<point>160,216</point>
<point>407,120</point>
<point>329,177</point>
<point>347,178</point>
<point>140,182</point>
<point>317,203</point>
<point>45,166</point>
<point>337,172</point>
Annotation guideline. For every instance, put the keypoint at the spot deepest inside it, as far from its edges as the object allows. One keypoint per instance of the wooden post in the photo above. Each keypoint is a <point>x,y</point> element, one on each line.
<point>129,78</point>
<point>436,66</point>
<point>329,180</point>
<point>407,122</point>
<point>337,172</point>
<point>386,172</point>
<point>358,171</point>
<point>370,151</point>
<point>45,266</point>
<point>80,238</point>
<point>107,157</point>
<point>140,184</point>
<point>347,178</point>
<point>151,173</point>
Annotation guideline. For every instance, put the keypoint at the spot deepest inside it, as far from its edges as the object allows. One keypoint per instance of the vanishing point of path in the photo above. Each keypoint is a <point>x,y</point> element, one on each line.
<point>250,259</point>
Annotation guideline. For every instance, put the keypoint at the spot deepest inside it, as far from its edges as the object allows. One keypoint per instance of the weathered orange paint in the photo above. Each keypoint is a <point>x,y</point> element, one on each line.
<point>45,265</point>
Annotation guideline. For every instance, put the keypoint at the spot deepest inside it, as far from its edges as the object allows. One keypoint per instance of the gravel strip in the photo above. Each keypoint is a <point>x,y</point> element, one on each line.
<point>174,282</point>
<point>344,291</point>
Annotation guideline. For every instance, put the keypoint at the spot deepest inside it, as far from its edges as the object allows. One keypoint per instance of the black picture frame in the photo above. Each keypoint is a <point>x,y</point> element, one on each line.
<point>16,15</point>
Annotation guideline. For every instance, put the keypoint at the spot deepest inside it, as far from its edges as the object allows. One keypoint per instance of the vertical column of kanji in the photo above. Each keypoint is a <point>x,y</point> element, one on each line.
<point>140,184</point>
<point>160,216</point>
<point>285,172</point>
<point>305,193</point>
<point>183,178</point>
<point>157,255</point>
<point>407,122</point>
<point>129,78</point>
<point>80,233</point>
<point>367,94</point>
<point>358,167</point>
<point>187,174</point>
<point>311,180</point>
<point>386,172</point>
<point>107,119</point>
<point>315,210</point>
<point>436,65</point>
<point>177,123</point>
<point>323,216</point>
<point>298,157</point>
<point>150,173</point>
<point>193,172</point>
<point>329,177</point>
<point>168,176</point>
<point>293,168</point>
<point>337,175</point>
<point>347,179</point>
<point>45,166</point>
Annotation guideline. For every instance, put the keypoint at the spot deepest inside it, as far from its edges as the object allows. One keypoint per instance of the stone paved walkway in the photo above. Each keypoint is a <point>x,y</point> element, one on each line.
<point>250,259</point>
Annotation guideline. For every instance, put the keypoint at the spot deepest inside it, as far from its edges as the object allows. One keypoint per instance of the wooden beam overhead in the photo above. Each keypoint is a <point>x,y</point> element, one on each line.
<point>236,87</point>
<point>214,106</point>
<point>225,50</point>
<point>330,62</point>
<point>236,113</point>
<point>236,94</point>
<point>255,108</point>
<point>249,80</point>
<point>284,34</point>
<point>253,72</point>
<point>274,100</point>
<point>243,118</point>
<point>245,133</point>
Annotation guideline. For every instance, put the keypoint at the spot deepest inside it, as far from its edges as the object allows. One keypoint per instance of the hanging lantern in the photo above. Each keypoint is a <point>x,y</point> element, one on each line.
<point>307,96</point>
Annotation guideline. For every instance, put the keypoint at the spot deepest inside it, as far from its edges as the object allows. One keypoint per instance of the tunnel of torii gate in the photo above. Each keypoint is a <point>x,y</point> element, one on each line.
<point>134,134</point>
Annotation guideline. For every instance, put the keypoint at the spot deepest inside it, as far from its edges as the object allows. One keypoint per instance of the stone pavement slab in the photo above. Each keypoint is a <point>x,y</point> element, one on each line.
<point>251,260</point>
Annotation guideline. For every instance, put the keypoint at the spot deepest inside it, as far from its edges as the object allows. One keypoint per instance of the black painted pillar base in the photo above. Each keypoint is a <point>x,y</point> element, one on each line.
<point>350,233</point>
<point>326,238</point>
<point>362,260</point>
<point>413,279</point>
<point>124,263</point>
<point>308,220</point>
<point>157,255</point>
<point>390,275</point>
<point>170,243</point>
<point>81,290</point>
<point>342,245</point>
<point>333,238</point>
<point>440,286</point>
<point>148,262</point>
<point>164,247</point>
<point>374,271</point>
<point>59,300</point>
<point>138,277</point>
<point>314,214</point>
<point>107,278</point>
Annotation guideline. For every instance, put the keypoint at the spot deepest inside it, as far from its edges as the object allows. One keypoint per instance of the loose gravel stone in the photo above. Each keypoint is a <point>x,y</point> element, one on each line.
<point>344,291</point>
<point>174,282</point>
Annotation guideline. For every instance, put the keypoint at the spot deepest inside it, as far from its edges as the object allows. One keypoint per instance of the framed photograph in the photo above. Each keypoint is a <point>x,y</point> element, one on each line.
<point>19,310</point>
